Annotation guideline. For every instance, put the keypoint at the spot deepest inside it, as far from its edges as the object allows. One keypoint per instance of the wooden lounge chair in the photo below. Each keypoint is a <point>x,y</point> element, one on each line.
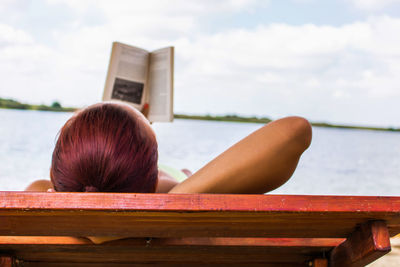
<point>48,229</point>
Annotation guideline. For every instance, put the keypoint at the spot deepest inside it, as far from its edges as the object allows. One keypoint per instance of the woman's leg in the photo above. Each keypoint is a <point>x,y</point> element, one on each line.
<point>259,163</point>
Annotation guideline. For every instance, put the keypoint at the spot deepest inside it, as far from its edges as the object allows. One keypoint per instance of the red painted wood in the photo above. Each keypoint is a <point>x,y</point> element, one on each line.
<point>6,261</point>
<point>367,243</point>
<point>201,228</point>
<point>196,202</point>
<point>44,240</point>
<point>191,215</point>
<point>159,264</point>
<point>320,263</point>
<point>266,242</point>
<point>123,252</point>
<point>222,241</point>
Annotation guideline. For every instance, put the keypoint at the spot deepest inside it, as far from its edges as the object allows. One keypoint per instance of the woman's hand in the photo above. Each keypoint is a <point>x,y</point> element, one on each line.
<point>145,110</point>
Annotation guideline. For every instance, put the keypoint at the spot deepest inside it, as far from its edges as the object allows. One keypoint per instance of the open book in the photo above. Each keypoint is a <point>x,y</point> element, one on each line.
<point>136,76</point>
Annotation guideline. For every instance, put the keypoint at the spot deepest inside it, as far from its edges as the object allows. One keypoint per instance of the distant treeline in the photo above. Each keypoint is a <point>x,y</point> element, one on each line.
<point>56,106</point>
<point>323,124</point>
<point>13,104</point>
<point>235,118</point>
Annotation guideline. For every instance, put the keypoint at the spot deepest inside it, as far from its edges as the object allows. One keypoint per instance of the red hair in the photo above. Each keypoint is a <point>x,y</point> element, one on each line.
<point>105,148</point>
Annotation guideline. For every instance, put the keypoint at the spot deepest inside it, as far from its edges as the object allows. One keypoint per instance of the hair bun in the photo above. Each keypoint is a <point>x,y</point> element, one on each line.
<point>90,188</point>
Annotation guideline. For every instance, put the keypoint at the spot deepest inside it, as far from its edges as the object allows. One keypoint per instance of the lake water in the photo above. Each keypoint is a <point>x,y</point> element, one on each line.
<point>342,162</point>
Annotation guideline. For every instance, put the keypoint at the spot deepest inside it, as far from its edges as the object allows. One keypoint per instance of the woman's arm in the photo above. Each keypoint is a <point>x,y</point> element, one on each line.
<point>259,163</point>
<point>40,186</point>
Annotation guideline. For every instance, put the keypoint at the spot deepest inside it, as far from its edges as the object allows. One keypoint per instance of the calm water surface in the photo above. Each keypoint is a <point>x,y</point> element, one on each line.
<point>345,162</point>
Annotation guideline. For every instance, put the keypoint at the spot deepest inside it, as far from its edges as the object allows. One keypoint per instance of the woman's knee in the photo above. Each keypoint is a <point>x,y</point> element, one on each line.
<point>303,130</point>
<point>299,131</point>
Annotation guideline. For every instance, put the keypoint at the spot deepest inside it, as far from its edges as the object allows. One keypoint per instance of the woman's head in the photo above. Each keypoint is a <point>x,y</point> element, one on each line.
<point>106,147</point>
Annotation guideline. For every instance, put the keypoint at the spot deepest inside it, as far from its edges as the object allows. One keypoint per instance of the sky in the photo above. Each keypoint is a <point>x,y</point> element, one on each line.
<point>328,61</point>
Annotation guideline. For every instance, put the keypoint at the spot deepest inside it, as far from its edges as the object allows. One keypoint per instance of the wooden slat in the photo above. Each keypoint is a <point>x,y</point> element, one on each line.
<point>159,242</point>
<point>214,225</point>
<point>258,242</point>
<point>49,251</point>
<point>124,253</point>
<point>53,250</point>
<point>368,243</point>
<point>142,224</point>
<point>43,240</point>
<point>191,215</point>
<point>12,200</point>
<point>160,264</point>
<point>320,263</point>
<point>6,261</point>
<point>199,229</point>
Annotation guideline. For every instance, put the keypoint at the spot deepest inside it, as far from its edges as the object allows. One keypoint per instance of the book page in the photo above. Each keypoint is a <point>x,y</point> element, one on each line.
<point>161,77</point>
<point>127,75</point>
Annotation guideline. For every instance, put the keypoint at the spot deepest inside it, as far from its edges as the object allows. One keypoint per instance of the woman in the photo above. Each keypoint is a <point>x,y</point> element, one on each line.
<point>111,147</point>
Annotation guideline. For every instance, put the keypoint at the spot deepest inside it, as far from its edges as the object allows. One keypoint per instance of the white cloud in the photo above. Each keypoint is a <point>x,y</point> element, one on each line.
<point>281,69</point>
<point>160,7</point>
<point>373,4</point>
<point>10,36</point>
<point>321,72</point>
<point>75,62</point>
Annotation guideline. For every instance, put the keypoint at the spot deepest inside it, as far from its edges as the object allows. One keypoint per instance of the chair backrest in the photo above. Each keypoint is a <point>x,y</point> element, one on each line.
<point>223,226</point>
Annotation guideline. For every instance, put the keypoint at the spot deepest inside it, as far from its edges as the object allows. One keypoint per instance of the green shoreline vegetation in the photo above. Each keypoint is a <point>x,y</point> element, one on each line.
<point>235,118</point>
<point>13,104</point>
<point>56,106</point>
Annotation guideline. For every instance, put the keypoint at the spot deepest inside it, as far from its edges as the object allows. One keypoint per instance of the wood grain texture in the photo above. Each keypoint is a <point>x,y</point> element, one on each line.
<point>188,241</point>
<point>135,253</point>
<point>367,243</point>
<point>44,229</point>
<point>171,251</point>
<point>12,200</point>
<point>210,251</point>
<point>320,263</point>
<point>6,261</point>
<point>191,215</point>
<point>158,264</point>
